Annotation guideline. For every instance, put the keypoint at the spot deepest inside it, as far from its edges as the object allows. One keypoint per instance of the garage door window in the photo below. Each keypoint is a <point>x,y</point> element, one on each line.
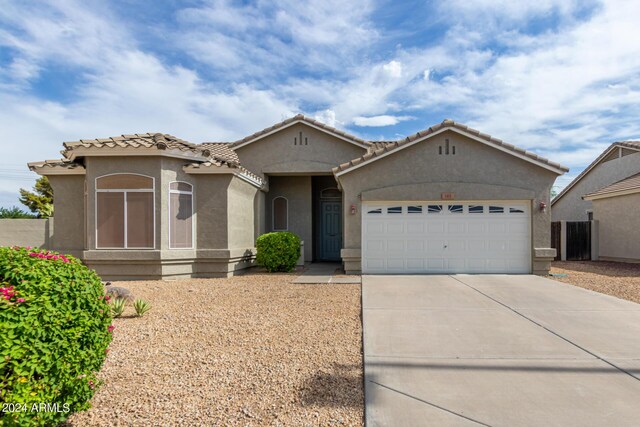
<point>394,210</point>
<point>516,210</point>
<point>456,208</point>
<point>375,211</point>
<point>434,209</point>
<point>496,209</point>
<point>414,209</point>
<point>476,209</point>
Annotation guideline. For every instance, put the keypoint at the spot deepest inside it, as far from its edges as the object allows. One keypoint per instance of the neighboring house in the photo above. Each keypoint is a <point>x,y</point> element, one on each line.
<point>619,161</point>
<point>448,199</point>
<point>616,209</point>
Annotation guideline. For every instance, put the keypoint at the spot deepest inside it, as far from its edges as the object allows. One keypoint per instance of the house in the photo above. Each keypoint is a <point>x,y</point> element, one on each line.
<point>619,161</point>
<point>615,207</point>
<point>448,199</point>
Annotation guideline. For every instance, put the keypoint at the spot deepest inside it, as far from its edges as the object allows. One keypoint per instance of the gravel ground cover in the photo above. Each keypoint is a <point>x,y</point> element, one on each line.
<point>619,279</point>
<point>250,350</point>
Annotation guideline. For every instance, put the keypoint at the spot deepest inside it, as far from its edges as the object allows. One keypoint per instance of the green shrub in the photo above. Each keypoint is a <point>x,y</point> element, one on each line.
<point>141,306</point>
<point>278,251</point>
<point>117,306</point>
<point>56,327</point>
<point>15,213</point>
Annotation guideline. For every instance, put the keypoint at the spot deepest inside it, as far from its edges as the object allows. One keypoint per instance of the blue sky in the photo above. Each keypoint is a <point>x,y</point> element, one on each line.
<point>561,78</point>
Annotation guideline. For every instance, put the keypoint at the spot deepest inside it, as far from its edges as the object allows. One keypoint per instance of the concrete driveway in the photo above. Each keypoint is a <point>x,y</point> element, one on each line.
<point>498,350</point>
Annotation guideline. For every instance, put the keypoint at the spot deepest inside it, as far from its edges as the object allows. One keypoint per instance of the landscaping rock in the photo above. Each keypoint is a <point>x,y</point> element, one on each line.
<point>251,350</point>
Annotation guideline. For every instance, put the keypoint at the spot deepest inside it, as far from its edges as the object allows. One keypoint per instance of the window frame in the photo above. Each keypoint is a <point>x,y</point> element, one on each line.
<point>193,223</point>
<point>124,192</point>
<point>273,214</point>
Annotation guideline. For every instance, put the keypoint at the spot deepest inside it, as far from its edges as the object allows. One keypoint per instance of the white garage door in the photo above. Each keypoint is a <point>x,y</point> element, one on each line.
<point>453,237</point>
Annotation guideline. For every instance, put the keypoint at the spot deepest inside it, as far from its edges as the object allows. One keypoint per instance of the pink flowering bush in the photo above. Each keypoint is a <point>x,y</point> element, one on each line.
<point>55,325</point>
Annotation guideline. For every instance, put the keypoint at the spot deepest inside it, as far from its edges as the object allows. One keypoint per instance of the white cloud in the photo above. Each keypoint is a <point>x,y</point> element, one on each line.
<point>327,116</point>
<point>393,69</point>
<point>378,121</point>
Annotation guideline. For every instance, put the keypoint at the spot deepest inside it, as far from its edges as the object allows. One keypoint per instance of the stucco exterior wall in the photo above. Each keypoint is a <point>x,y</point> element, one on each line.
<point>277,154</point>
<point>69,211</point>
<point>475,172</point>
<point>297,191</point>
<point>571,207</point>
<point>211,205</point>
<point>240,214</point>
<point>619,230</point>
<point>36,233</point>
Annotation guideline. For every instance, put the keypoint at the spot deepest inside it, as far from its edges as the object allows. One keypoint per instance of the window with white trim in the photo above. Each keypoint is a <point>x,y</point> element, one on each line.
<point>180,215</point>
<point>280,214</point>
<point>125,217</point>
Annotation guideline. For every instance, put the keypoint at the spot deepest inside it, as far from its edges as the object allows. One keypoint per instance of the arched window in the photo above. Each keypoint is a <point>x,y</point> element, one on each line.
<point>125,216</point>
<point>280,214</point>
<point>180,215</point>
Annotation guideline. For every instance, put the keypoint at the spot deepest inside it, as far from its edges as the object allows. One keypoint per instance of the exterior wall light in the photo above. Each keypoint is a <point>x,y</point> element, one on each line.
<point>543,207</point>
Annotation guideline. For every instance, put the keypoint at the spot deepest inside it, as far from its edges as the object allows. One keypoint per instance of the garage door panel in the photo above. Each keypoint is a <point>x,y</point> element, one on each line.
<point>395,227</point>
<point>395,245</point>
<point>374,246</point>
<point>374,227</point>
<point>456,227</point>
<point>415,227</point>
<point>476,226</point>
<point>415,264</point>
<point>472,237</point>
<point>415,245</point>
<point>435,226</point>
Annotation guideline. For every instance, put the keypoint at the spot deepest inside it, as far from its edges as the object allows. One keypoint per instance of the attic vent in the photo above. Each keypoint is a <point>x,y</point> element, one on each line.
<point>448,148</point>
<point>298,140</point>
<point>614,154</point>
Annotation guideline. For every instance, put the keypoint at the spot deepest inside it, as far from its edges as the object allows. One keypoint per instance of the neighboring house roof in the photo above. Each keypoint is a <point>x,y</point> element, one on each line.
<point>633,145</point>
<point>300,119</point>
<point>623,187</point>
<point>386,147</point>
<point>139,141</point>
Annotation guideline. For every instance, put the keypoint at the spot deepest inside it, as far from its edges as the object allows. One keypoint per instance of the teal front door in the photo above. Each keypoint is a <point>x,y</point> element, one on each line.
<point>330,231</point>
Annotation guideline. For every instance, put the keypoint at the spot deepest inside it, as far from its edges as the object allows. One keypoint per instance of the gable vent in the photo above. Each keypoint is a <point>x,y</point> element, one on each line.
<point>300,140</point>
<point>447,148</point>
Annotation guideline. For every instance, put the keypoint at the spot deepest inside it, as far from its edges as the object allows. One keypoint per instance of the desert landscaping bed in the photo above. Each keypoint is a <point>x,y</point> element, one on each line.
<point>619,279</point>
<point>250,350</point>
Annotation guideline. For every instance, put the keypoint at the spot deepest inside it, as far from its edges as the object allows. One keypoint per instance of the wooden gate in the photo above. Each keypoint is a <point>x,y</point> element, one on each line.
<point>578,240</point>
<point>555,238</point>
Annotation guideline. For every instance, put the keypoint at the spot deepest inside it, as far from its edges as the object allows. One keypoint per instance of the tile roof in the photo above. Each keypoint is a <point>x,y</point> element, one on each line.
<point>624,144</point>
<point>630,183</point>
<point>214,162</point>
<point>390,146</point>
<point>140,140</point>
<point>300,118</point>
<point>221,150</point>
<point>55,164</point>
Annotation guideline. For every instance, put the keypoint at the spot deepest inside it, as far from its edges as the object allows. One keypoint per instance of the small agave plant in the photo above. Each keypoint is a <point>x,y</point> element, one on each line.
<point>141,306</point>
<point>117,306</point>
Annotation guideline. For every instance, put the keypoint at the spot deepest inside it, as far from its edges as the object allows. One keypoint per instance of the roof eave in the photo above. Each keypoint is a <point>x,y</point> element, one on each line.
<point>222,170</point>
<point>237,145</point>
<point>560,170</point>
<point>595,196</point>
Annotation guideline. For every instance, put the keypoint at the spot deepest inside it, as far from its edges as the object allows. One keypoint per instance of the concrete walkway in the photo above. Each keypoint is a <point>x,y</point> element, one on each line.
<point>324,272</point>
<point>498,350</point>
